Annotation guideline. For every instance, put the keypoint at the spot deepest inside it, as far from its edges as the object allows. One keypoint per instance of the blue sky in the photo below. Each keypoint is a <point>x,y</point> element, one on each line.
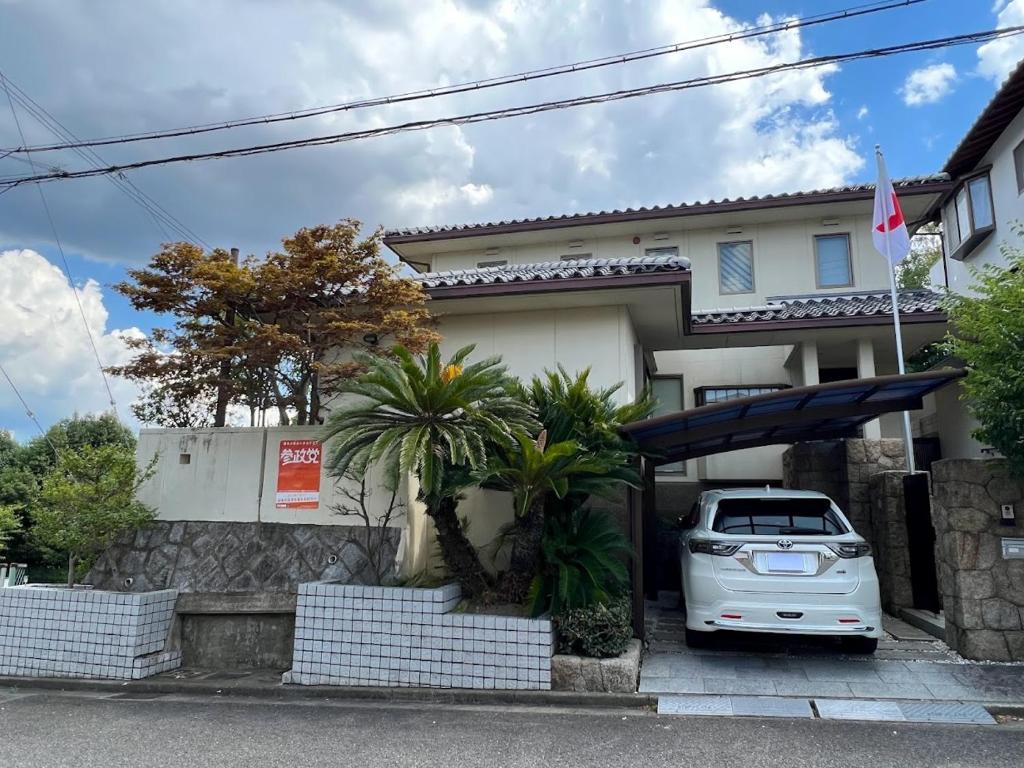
<point>128,68</point>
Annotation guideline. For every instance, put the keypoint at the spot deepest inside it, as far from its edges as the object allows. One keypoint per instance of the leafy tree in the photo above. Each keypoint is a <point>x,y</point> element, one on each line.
<point>436,420</point>
<point>23,468</point>
<point>987,333</point>
<point>88,501</point>
<point>925,251</point>
<point>584,563</point>
<point>10,523</point>
<point>265,333</point>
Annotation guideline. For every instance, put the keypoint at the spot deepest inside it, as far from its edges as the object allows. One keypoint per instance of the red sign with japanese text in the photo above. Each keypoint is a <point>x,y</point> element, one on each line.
<point>298,474</point>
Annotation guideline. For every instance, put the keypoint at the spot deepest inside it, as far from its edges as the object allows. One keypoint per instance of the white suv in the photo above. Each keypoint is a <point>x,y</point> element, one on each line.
<point>766,560</point>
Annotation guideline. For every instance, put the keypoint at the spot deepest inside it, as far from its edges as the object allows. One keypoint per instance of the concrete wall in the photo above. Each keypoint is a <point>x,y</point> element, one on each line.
<point>1008,207</point>
<point>783,256</point>
<point>231,476</point>
<point>982,591</point>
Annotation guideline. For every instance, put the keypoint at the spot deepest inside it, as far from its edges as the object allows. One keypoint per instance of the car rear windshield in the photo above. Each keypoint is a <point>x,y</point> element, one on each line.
<point>777,517</point>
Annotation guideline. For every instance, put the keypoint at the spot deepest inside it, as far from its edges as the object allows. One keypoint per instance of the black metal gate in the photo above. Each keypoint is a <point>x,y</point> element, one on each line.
<point>924,582</point>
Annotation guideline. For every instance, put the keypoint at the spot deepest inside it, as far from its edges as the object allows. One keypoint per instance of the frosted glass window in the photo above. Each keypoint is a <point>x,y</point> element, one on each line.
<point>736,267</point>
<point>833,261</point>
<point>669,393</point>
<point>981,203</point>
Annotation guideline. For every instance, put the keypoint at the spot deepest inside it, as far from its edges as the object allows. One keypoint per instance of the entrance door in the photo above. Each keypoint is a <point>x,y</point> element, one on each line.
<point>924,583</point>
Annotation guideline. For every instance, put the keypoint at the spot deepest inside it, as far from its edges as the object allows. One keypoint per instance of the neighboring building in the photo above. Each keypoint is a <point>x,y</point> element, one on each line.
<point>979,215</point>
<point>702,301</point>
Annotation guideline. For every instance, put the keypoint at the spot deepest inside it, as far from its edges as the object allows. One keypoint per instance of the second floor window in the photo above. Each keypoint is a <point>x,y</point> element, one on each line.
<point>832,261</point>
<point>967,217</point>
<point>663,251</point>
<point>496,263</point>
<point>715,394</point>
<point>736,267</point>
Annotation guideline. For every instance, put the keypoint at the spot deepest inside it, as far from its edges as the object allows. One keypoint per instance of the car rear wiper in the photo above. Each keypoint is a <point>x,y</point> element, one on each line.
<point>797,531</point>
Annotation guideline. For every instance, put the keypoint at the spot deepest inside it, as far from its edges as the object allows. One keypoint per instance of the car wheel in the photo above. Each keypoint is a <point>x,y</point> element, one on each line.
<point>696,639</point>
<point>860,645</point>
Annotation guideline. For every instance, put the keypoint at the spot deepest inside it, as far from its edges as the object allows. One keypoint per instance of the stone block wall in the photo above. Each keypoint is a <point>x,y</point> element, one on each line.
<point>983,593</point>
<point>889,532</point>
<point>402,637</point>
<point>842,470</point>
<point>54,632</point>
<point>235,557</point>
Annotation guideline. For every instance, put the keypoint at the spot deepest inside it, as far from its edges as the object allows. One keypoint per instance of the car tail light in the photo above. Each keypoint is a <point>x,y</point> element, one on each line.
<point>709,547</point>
<point>855,549</point>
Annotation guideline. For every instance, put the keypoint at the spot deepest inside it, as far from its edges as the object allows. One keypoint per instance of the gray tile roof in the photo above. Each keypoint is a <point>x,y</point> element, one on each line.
<point>708,206</point>
<point>553,270</point>
<point>818,306</point>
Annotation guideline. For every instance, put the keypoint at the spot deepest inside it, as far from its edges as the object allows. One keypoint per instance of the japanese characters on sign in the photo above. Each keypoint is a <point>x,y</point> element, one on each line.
<point>298,474</point>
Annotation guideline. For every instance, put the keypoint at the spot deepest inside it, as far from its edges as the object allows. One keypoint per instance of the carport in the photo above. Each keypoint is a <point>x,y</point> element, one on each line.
<point>821,412</point>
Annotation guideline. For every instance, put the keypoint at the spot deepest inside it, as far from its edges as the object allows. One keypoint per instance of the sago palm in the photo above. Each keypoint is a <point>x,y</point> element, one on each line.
<point>434,419</point>
<point>531,470</point>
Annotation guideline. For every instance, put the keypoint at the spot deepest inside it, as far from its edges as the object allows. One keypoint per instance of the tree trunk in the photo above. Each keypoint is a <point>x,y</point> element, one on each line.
<point>524,561</point>
<point>72,561</point>
<point>458,552</point>
<point>220,415</point>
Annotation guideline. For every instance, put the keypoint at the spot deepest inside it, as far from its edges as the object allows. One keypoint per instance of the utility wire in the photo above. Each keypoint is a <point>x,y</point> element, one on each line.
<point>160,215</point>
<point>28,411</point>
<point>63,257</point>
<point>531,109</point>
<point>494,82</point>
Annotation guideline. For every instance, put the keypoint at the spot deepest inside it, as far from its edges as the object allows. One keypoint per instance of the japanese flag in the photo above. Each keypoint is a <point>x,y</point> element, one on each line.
<point>888,228</point>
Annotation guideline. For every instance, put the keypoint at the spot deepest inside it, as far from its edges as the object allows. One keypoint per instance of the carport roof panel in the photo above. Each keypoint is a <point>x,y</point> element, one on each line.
<point>819,412</point>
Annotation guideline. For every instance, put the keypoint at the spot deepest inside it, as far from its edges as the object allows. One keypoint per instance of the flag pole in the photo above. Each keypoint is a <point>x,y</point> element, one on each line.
<point>908,437</point>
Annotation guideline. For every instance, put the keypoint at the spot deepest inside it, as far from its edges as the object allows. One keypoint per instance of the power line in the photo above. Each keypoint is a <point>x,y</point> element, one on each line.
<point>531,109</point>
<point>494,82</point>
<point>28,411</point>
<point>160,215</point>
<point>63,257</point>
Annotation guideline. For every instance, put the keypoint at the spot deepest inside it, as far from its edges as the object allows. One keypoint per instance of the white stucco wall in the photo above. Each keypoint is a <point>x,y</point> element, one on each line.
<point>231,477</point>
<point>728,367</point>
<point>1008,207</point>
<point>783,256</point>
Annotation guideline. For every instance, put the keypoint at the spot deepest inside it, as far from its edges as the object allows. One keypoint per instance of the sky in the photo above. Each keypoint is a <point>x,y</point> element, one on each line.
<point>118,67</point>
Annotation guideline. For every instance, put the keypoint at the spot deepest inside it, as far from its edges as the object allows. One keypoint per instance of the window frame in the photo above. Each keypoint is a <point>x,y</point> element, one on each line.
<point>700,393</point>
<point>1018,166</point>
<point>679,379</point>
<point>652,250</point>
<point>966,244</point>
<point>492,264</point>
<point>849,260</point>
<point>753,273</point>
<point>575,256</point>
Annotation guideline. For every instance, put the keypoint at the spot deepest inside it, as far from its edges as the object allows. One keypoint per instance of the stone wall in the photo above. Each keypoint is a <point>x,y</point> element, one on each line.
<point>983,593</point>
<point>842,470</point>
<point>404,637</point>
<point>889,532</point>
<point>197,556</point>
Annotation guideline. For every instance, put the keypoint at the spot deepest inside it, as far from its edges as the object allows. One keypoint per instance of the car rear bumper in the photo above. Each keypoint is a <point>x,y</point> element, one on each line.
<point>857,613</point>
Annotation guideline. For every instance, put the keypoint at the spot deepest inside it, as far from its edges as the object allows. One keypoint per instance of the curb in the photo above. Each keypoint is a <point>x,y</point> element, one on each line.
<point>338,693</point>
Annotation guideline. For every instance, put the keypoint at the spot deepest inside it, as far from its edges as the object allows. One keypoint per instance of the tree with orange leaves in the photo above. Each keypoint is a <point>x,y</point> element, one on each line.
<point>272,333</point>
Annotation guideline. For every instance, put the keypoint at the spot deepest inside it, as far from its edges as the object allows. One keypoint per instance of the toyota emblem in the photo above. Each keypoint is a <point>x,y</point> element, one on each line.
<point>784,544</point>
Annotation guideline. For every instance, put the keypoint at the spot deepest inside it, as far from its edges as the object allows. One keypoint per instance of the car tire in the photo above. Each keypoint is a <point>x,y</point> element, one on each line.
<point>862,646</point>
<point>695,639</point>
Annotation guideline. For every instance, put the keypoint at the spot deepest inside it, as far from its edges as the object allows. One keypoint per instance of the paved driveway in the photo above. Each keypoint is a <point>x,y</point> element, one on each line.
<point>908,665</point>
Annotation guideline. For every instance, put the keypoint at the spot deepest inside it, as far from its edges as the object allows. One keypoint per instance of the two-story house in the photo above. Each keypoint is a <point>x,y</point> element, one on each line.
<point>979,215</point>
<point>703,302</point>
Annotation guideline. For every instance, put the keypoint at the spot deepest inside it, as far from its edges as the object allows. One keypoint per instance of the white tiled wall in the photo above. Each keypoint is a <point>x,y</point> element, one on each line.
<point>56,632</point>
<point>401,637</point>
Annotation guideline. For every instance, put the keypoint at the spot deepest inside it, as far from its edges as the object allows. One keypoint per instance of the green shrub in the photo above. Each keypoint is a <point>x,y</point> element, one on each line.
<point>584,562</point>
<point>601,630</point>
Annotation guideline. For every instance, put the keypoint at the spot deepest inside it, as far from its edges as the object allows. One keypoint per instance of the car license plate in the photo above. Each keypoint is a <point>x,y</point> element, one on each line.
<point>785,562</point>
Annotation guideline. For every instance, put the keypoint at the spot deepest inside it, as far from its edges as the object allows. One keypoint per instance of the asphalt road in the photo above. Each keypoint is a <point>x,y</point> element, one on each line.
<point>49,730</point>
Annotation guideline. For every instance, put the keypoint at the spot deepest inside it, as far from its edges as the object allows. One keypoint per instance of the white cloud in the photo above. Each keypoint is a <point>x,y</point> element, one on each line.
<point>44,344</point>
<point>177,64</point>
<point>862,112</point>
<point>928,85</point>
<point>998,58</point>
